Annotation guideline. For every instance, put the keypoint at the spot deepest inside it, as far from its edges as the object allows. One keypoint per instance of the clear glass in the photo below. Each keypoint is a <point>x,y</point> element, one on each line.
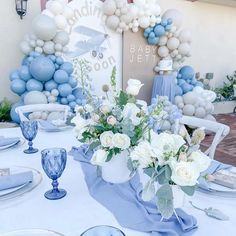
<point>102,230</point>
<point>54,163</point>
<point>29,130</point>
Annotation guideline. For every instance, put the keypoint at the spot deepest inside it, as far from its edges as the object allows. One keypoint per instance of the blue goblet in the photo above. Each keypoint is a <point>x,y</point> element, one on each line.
<point>54,163</point>
<point>29,130</point>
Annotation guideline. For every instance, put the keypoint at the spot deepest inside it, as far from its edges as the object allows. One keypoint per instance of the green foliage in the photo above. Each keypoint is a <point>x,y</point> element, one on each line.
<point>123,99</point>
<point>5,109</point>
<point>113,79</point>
<point>112,152</point>
<point>165,201</point>
<point>189,190</point>
<point>227,91</point>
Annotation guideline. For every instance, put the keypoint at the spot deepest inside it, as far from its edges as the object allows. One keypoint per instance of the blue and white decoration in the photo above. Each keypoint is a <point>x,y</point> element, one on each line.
<point>191,98</point>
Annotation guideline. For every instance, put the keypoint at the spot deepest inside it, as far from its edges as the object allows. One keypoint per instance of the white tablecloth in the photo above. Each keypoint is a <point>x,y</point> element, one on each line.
<point>78,211</point>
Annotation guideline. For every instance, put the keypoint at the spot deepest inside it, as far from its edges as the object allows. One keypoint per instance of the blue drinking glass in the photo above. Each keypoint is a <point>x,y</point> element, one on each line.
<point>103,230</point>
<point>29,130</point>
<point>54,163</point>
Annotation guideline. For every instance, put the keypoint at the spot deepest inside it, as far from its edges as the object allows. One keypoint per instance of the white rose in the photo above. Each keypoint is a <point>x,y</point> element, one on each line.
<point>99,157</point>
<point>133,87</point>
<point>143,154</point>
<point>143,104</point>
<point>106,139</point>
<point>121,141</point>
<point>184,173</point>
<point>80,125</point>
<point>105,109</point>
<point>201,160</point>
<point>131,111</point>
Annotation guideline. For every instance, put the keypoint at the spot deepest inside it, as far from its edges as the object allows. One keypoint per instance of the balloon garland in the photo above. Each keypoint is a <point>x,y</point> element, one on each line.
<point>44,76</point>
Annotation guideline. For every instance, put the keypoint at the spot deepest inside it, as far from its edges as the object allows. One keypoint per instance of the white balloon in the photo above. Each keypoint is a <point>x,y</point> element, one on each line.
<point>38,49</point>
<point>163,51</point>
<point>185,36</point>
<point>60,21</point>
<point>65,49</point>
<point>25,48</point>
<point>44,27</point>
<point>35,97</point>
<point>58,47</point>
<point>55,92</point>
<point>126,19</point>
<point>32,43</point>
<point>48,47</point>
<point>189,110</point>
<point>180,105</point>
<point>47,93</point>
<point>68,12</point>
<point>198,89</point>
<point>144,22</point>
<point>135,29</point>
<point>44,115</point>
<point>40,42</point>
<point>184,49</point>
<point>48,13</point>
<point>200,112</point>
<point>63,2</point>
<point>173,43</point>
<point>109,7</point>
<point>124,10</point>
<point>117,12</point>
<point>178,99</point>
<point>58,54</point>
<point>163,41</point>
<point>56,7</point>
<point>190,98</point>
<point>52,99</point>
<point>113,22</point>
<point>62,38</point>
<point>175,15</point>
<point>133,10</point>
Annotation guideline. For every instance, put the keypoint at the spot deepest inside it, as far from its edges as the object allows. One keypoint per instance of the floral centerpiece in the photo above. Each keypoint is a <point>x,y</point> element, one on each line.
<point>170,160</point>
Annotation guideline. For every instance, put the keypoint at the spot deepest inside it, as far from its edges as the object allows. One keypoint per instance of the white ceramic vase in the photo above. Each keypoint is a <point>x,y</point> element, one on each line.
<point>179,196</point>
<point>116,171</point>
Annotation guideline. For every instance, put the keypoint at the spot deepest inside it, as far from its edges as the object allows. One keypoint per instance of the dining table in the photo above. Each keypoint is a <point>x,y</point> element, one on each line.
<point>78,211</point>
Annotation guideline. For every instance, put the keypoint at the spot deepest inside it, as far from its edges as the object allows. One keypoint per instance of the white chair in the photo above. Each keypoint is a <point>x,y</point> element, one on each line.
<point>220,130</point>
<point>22,110</point>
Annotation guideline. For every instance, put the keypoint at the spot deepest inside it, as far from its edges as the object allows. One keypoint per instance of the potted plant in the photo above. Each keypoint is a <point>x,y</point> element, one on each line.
<point>5,118</point>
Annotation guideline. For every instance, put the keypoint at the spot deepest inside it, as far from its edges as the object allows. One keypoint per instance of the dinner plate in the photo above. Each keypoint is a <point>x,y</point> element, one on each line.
<point>23,189</point>
<point>14,144</point>
<point>103,230</point>
<point>32,232</point>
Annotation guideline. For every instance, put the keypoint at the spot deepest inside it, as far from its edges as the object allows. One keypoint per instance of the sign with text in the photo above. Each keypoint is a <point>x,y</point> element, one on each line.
<point>91,40</point>
<point>139,60</point>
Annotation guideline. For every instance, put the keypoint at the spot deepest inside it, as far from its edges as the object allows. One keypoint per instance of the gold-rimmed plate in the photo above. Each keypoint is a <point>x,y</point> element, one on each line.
<point>26,188</point>
<point>32,232</point>
<point>13,145</point>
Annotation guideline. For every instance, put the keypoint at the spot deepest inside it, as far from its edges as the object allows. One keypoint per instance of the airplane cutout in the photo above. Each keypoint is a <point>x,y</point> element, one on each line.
<point>93,44</point>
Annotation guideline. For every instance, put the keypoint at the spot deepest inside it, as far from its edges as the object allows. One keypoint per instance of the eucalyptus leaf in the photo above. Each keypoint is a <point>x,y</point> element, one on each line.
<point>161,176</point>
<point>148,191</point>
<point>149,171</point>
<point>94,145</point>
<point>189,190</point>
<point>165,201</point>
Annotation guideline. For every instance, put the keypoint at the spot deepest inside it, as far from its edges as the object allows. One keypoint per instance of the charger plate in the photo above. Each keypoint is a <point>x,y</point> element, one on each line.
<point>32,232</point>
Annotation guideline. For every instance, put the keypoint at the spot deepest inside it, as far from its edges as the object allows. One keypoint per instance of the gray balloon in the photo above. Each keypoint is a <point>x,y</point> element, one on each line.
<point>44,27</point>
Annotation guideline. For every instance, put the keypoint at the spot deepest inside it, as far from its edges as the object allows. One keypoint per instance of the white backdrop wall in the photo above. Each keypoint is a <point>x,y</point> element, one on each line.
<point>213,29</point>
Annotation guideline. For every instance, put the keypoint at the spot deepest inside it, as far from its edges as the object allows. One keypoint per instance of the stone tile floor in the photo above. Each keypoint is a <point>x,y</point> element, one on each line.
<point>226,150</point>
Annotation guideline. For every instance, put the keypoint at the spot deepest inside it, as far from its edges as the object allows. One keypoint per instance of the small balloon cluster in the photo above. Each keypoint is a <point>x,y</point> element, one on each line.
<point>121,16</point>
<point>163,114</point>
<point>191,97</point>
<point>186,81</point>
<point>153,34</point>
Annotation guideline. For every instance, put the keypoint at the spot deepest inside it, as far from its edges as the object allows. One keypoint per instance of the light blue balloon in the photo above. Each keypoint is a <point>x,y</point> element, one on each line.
<point>14,75</point>
<point>79,101</point>
<point>30,59</point>
<point>180,82</point>
<point>52,58</point>
<point>187,72</point>
<point>168,28</point>
<point>194,82</point>
<point>13,114</point>
<point>64,90</point>
<point>78,93</point>
<point>71,98</point>
<point>152,35</point>
<point>67,67</point>
<point>50,85</point>
<point>153,41</point>
<point>64,101</point>
<point>18,86</point>
<point>73,82</point>
<point>24,73</point>
<point>42,68</point>
<point>61,77</point>
<point>178,91</point>
<point>187,88</point>
<point>59,60</point>
<point>34,85</point>
<point>159,30</point>
<point>164,22</point>
<point>72,104</point>
<point>145,34</point>
<point>200,84</point>
<point>148,30</point>
<point>170,21</point>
